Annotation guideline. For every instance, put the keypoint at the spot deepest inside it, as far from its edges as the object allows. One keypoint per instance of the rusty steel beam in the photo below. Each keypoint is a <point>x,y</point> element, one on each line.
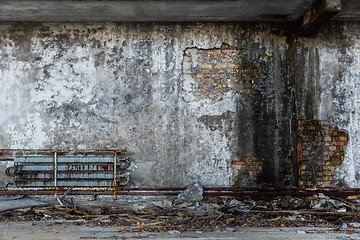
<point>65,150</point>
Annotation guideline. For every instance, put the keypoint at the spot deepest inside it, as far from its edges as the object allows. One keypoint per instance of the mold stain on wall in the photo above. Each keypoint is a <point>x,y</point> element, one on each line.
<point>247,76</point>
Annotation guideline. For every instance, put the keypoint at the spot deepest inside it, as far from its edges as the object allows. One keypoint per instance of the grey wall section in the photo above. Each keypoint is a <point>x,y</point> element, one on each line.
<point>105,86</point>
<point>328,84</point>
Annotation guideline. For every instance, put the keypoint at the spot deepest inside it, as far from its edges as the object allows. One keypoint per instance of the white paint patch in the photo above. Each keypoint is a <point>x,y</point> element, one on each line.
<point>31,135</point>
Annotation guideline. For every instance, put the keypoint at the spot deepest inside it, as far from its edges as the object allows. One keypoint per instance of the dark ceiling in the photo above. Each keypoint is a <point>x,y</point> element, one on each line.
<point>166,10</point>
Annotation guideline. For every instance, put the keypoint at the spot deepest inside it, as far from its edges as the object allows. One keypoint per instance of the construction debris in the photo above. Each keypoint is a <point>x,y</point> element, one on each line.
<point>211,214</point>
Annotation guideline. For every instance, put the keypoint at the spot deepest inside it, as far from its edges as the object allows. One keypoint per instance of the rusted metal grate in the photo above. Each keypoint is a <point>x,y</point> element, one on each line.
<point>61,169</point>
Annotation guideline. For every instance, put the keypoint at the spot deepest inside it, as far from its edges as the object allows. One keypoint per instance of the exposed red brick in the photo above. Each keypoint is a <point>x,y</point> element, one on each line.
<point>238,162</point>
<point>202,86</point>
<point>332,148</point>
<point>237,167</point>
<point>327,138</point>
<point>322,151</point>
<point>344,139</point>
<point>217,70</point>
<point>250,165</point>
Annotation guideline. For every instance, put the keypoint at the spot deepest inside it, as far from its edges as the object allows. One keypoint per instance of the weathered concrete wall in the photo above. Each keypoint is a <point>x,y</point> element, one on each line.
<point>328,73</point>
<point>135,86</point>
<point>207,103</point>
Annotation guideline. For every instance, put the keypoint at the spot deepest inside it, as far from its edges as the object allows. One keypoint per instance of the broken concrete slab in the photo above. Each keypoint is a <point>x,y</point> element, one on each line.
<point>192,193</point>
<point>151,204</point>
<point>22,202</point>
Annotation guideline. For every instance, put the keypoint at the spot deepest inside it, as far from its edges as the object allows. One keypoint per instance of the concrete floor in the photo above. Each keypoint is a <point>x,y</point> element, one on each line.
<point>77,230</point>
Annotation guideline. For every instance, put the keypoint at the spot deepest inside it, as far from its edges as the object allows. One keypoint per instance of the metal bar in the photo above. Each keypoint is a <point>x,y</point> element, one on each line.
<point>65,193</point>
<point>51,189</point>
<point>115,182</point>
<point>172,193</point>
<point>63,159</point>
<point>320,189</point>
<point>249,189</point>
<point>111,192</point>
<point>154,189</point>
<point>6,159</point>
<point>65,151</point>
<point>55,174</point>
<point>225,190</point>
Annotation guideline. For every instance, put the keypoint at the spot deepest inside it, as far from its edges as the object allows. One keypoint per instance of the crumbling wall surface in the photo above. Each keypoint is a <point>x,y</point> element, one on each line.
<point>328,73</point>
<point>191,103</point>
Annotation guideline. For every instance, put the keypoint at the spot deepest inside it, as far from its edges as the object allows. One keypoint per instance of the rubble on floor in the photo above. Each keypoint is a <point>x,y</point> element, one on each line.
<point>20,202</point>
<point>211,214</point>
<point>192,193</point>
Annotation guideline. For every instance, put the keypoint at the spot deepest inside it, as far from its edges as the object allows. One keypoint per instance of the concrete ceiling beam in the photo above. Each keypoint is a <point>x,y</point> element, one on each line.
<point>153,10</point>
<point>318,15</point>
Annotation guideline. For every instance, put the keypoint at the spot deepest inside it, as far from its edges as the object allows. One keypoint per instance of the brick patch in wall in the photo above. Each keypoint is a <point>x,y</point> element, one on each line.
<point>218,73</point>
<point>321,149</point>
<point>249,165</point>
